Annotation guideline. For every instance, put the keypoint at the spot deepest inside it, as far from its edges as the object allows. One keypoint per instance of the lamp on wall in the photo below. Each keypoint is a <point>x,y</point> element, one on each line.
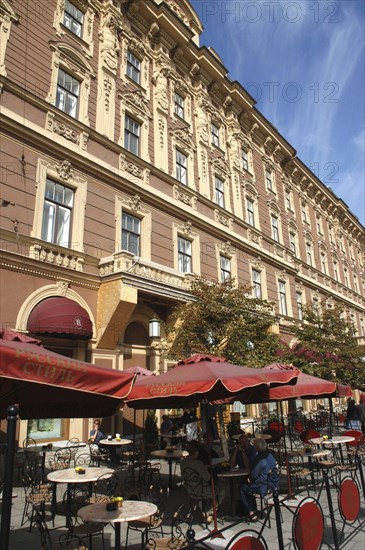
<point>154,326</point>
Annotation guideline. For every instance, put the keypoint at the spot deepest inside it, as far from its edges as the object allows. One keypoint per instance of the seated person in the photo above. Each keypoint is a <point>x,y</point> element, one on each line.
<point>96,434</point>
<point>193,462</point>
<point>264,476</point>
<point>206,452</point>
<point>243,454</point>
<point>166,429</point>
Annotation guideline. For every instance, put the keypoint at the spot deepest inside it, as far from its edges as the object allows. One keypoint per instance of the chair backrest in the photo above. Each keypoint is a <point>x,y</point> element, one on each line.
<point>61,459</point>
<point>193,482</point>
<point>247,539</point>
<point>73,442</point>
<point>106,485</point>
<point>180,523</point>
<point>83,459</point>
<point>308,434</point>
<point>359,438</point>
<point>78,499</point>
<point>29,442</point>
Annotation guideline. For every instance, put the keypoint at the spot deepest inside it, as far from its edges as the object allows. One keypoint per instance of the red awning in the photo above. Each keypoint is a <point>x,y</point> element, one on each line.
<point>59,315</point>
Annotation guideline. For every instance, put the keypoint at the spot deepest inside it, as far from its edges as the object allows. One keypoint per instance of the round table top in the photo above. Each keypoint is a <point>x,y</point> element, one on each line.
<point>252,437</point>
<point>115,441</point>
<point>335,440</point>
<point>316,453</point>
<point>234,472</point>
<point>162,453</point>
<point>131,510</point>
<point>70,476</point>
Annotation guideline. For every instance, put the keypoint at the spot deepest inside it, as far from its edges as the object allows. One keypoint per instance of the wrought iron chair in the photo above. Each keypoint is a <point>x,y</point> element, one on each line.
<point>72,502</point>
<point>56,538</point>
<point>175,539</point>
<point>60,460</point>
<point>36,494</point>
<point>195,486</point>
<point>105,487</point>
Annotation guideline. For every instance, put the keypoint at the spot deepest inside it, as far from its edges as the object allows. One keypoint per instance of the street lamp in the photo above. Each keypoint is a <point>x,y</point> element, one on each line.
<point>154,326</point>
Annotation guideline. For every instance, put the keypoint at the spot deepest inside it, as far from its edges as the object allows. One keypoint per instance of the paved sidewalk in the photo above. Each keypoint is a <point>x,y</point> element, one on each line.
<point>353,537</point>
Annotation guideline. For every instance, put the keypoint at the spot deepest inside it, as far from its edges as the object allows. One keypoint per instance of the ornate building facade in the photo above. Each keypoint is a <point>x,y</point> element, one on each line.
<point>130,160</point>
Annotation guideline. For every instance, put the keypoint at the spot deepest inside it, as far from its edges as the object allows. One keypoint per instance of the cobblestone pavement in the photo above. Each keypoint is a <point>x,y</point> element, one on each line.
<point>350,536</point>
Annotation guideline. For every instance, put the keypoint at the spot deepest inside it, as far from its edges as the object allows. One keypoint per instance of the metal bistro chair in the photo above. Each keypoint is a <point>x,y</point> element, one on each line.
<point>60,460</point>
<point>77,529</point>
<point>105,488</point>
<point>56,538</point>
<point>151,523</point>
<point>176,538</point>
<point>194,486</point>
<point>36,495</point>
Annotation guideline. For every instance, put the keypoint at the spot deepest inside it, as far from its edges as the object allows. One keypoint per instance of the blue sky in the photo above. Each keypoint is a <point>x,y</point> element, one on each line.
<point>304,63</point>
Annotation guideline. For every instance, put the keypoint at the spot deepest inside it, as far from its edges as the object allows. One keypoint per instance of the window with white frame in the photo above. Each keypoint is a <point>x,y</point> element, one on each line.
<point>225,268</point>
<point>256,284</point>
<point>309,251</point>
<point>73,18</point>
<point>132,131</point>
<point>214,135</point>
<point>319,225</point>
<point>184,250</point>
<point>282,298</point>
<point>275,228</point>
<point>362,327</point>
<point>219,191</point>
<point>299,305</point>
<point>181,167</point>
<point>330,232</point>
<point>250,212</point>
<point>179,105</point>
<point>131,234</point>
<point>346,276</point>
<point>356,287</point>
<point>304,213</point>
<point>293,242</point>
<point>133,67</point>
<point>57,213</point>
<point>288,199</point>
<point>324,263</point>
<point>68,93</point>
<point>244,156</point>
<point>269,177</point>
<point>335,270</point>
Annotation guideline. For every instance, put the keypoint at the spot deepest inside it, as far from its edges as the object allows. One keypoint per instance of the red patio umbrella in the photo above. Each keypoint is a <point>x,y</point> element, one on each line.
<point>45,384</point>
<point>203,377</point>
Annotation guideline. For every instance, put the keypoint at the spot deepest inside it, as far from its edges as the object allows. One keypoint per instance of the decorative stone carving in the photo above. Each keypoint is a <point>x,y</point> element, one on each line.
<point>161,129</point>
<point>54,256</point>
<point>182,196</point>
<point>109,41</point>
<point>178,11</point>
<point>138,103</point>
<point>64,170</point>
<point>183,135</point>
<point>254,237</point>
<point>107,91</point>
<point>185,228</point>
<point>137,47</point>
<point>221,218</point>
<point>62,287</point>
<point>159,79</point>
<point>220,166</point>
<point>135,203</point>
<point>66,132</point>
<point>127,166</point>
<point>226,248</point>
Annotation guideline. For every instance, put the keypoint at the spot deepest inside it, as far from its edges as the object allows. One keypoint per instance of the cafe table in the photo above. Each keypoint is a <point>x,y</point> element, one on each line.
<point>333,441</point>
<point>176,454</point>
<point>130,510</point>
<point>233,474</point>
<point>112,445</point>
<point>71,477</point>
<point>39,450</point>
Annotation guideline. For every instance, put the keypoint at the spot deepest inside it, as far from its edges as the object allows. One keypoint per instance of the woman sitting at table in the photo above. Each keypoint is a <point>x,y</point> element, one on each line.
<point>96,434</point>
<point>263,477</point>
<point>243,454</point>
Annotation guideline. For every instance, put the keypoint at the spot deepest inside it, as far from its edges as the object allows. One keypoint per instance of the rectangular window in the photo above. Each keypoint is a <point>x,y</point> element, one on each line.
<point>269,180</point>
<point>275,228</point>
<point>323,263</point>
<point>319,225</point>
<point>304,213</point>
<point>309,253</point>
<point>181,167</point>
<point>179,105</point>
<point>132,131</point>
<point>345,277</point>
<point>362,327</point>
<point>293,243</point>
<point>288,200</point>
<point>131,234</point>
<point>244,160</point>
<point>73,18</point>
<point>335,270</point>
<point>133,67</point>
<point>219,191</point>
<point>299,305</point>
<point>68,92</point>
<point>57,214</point>
<point>250,212</point>
<point>356,288</point>
<point>184,255</point>
<point>282,295</point>
<point>256,284</point>
<point>215,135</point>
<point>225,265</point>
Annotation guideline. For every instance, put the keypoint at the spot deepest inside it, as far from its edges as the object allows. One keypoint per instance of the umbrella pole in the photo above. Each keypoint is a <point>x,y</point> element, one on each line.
<point>290,494</point>
<point>12,414</point>
<point>331,417</point>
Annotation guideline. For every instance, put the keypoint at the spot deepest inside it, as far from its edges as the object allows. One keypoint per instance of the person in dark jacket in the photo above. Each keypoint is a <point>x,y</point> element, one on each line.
<point>263,477</point>
<point>353,421</point>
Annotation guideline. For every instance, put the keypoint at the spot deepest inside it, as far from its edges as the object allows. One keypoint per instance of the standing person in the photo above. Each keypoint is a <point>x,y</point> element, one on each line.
<point>361,409</point>
<point>263,477</point>
<point>165,430</point>
<point>96,434</point>
<point>190,421</point>
<point>353,421</point>
<point>244,454</point>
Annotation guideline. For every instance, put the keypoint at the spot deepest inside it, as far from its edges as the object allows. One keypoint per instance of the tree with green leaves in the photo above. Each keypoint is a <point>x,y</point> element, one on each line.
<point>327,346</point>
<point>225,320</point>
